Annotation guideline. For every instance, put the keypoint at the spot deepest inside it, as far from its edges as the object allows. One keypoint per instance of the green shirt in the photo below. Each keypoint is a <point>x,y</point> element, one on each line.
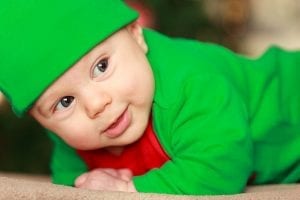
<point>221,117</point>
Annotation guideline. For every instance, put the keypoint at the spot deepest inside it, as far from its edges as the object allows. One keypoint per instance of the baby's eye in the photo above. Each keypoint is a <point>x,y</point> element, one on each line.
<point>100,68</point>
<point>64,102</point>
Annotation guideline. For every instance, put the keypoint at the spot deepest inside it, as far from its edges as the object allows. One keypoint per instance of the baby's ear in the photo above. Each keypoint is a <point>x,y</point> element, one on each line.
<point>137,33</point>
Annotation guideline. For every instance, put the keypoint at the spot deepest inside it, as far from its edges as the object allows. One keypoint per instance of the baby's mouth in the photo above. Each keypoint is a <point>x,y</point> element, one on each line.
<point>118,127</point>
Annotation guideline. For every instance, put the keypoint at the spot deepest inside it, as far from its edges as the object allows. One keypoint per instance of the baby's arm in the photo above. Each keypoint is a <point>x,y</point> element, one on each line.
<point>207,136</point>
<point>106,179</point>
<point>66,165</point>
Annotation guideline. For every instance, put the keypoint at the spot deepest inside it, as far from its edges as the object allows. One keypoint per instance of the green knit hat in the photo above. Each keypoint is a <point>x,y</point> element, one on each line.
<point>41,39</point>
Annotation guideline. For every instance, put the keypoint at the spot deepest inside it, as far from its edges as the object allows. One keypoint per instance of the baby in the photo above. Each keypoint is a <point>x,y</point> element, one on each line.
<point>130,109</point>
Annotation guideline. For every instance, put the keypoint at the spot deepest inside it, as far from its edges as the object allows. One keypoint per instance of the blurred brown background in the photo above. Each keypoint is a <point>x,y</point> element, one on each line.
<point>245,26</point>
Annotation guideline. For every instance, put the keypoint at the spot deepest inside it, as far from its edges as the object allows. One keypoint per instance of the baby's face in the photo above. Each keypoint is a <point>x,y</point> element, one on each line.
<point>105,99</point>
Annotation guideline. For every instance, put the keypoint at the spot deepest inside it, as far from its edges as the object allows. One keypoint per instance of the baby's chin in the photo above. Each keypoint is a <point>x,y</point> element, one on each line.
<point>123,142</point>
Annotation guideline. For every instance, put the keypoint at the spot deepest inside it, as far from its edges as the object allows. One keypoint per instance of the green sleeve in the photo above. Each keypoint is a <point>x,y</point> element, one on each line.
<point>207,139</point>
<point>66,165</point>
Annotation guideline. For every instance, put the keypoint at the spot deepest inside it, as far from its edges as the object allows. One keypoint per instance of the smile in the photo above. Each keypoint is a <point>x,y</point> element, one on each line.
<point>118,127</point>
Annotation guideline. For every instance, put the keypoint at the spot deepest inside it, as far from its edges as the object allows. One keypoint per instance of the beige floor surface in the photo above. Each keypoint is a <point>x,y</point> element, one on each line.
<point>20,186</point>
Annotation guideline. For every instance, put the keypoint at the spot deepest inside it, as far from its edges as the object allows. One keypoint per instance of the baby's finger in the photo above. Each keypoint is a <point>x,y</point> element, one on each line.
<point>80,179</point>
<point>110,171</point>
<point>125,174</point>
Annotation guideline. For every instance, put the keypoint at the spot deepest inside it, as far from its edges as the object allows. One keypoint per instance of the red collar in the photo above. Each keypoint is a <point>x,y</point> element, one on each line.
<point>140,157</point>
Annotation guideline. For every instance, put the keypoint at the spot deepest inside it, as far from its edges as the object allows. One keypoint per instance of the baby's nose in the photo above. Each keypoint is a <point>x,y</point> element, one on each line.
<point>95,104</point>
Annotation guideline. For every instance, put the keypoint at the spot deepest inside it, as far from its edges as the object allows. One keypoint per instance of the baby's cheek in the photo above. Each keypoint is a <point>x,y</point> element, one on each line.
<point>76,136</point>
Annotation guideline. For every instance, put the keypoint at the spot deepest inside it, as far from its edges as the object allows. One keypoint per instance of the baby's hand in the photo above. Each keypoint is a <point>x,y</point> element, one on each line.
<point>106,179</point>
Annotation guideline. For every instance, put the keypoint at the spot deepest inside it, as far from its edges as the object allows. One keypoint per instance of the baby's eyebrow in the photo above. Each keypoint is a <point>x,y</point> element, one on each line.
<point>45,103</point>
<point>42,112</point>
